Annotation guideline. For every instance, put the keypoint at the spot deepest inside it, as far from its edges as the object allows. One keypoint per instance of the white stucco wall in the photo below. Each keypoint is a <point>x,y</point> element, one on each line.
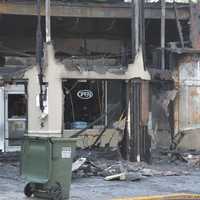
<point>53,74</point>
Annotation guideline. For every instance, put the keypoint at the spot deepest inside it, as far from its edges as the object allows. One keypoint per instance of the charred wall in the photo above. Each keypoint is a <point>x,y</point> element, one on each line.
<point>80,37</point>
<point>187,118</point>
<point>161,120</point>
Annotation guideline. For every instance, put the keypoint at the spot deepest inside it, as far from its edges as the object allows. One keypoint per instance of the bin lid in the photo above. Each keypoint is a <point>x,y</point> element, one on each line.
<point>66,139</point>
<point>52,139</point>
<point>47,137</point>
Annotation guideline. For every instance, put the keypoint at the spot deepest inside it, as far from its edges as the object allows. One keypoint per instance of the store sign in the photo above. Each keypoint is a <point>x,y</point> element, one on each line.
<point>85,94</point>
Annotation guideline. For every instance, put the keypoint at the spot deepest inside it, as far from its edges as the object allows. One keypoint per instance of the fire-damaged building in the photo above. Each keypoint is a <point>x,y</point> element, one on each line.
<point>117,73</point>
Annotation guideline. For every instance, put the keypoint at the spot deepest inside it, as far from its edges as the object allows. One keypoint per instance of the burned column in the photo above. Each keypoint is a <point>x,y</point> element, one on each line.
<point>139,147</point>
<point>138,141</point>
<point>139,111</point>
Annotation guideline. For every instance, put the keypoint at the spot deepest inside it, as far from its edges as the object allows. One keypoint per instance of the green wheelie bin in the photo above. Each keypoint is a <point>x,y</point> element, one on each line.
<point>47,166</point>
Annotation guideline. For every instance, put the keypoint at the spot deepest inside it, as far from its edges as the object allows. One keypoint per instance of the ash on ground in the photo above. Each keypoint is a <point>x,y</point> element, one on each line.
<point>104,163</point>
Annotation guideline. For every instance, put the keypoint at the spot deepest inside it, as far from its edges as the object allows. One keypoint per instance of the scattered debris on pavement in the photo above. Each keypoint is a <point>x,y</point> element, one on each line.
<point>78,163</point>
<point>95,164</point>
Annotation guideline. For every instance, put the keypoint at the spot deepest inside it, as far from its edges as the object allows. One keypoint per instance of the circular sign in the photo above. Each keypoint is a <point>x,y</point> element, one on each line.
<point>85,94</point>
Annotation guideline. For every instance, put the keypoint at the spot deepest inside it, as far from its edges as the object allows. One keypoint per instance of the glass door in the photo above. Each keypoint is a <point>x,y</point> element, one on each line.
<point>16,109</point>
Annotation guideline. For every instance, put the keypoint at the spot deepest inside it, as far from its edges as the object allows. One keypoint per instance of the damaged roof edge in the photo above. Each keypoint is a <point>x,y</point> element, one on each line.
<point>13,72</point>
<point>122,10</point>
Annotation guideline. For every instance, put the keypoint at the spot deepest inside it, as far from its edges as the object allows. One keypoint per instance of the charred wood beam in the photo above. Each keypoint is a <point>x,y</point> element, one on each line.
<point>91,10</point>
<point>39,56</point>
<point>178,24</point>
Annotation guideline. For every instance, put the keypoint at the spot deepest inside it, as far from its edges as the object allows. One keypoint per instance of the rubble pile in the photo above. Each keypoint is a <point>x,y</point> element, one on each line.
<point>190,158</point>
<point>95,164</point>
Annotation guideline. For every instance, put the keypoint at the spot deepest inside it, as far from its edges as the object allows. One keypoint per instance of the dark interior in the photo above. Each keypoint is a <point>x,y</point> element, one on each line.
<point>85,101</point>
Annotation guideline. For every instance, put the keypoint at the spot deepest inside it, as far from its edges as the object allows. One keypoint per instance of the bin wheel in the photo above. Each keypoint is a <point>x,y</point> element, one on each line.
<point>28,190</point>
<point>56,192</point>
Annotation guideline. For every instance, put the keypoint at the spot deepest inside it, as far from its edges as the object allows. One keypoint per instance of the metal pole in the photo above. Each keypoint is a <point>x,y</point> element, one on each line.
<point>133,30</point>
<point>48,20</point>
<point>106,103</point>
<point>163,15</point>
<point>137,42</point>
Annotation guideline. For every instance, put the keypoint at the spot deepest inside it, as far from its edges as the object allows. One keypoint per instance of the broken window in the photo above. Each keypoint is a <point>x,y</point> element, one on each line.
<point>152,41</point>
<point>87,101</point>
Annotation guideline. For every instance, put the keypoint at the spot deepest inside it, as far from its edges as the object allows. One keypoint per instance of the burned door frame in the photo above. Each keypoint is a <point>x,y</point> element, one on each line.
<point>13,89</point>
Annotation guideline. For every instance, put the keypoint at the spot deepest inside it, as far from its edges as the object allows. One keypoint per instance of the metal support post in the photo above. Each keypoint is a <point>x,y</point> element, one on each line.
<point>163,15</point>
<point>48,20</point>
